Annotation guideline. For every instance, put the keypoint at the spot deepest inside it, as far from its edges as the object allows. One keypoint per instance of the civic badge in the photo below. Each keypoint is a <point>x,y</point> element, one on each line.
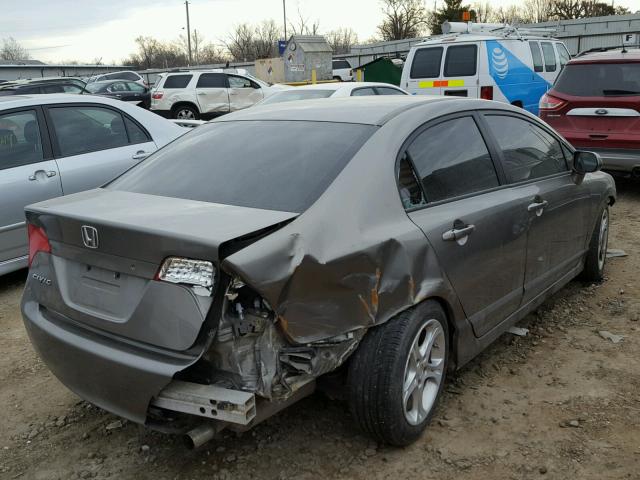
<point>89,236</point>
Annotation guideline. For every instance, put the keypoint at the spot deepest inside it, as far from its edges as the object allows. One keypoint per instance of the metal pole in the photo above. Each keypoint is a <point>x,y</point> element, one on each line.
<point>284,12</point>
<point>186,4</point>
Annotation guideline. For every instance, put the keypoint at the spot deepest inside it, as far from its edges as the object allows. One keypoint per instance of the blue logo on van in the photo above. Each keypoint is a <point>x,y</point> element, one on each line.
<point>516,80</point>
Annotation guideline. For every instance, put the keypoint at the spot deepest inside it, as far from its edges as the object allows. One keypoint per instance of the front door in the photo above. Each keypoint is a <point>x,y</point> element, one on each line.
<point>477,229</point>
<point>243,93</point>
<point>212,93</point>
<point>536,164</point>
<point>27,175</point>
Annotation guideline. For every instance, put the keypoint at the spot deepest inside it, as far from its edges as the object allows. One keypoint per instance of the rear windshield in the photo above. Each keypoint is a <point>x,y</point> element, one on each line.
<point>273,165</point>
<point>292,95</point>
<point>605,79</point>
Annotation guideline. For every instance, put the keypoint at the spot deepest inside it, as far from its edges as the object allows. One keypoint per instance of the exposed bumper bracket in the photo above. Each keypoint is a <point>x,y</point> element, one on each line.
<point>210,401</point>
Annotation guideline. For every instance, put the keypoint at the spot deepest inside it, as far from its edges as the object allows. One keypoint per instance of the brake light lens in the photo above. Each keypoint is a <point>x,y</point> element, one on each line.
<point>200,274</point>
<point>157,95</point>
<point>486,93</point>
<point>549,102</point>
<point>38,241</point>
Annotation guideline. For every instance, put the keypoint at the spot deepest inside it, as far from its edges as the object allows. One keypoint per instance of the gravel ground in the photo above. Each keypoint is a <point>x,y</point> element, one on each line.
<point>562,402</point>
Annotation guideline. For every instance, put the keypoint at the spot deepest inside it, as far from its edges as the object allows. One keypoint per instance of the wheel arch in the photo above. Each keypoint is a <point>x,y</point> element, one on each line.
<point>184,103</point>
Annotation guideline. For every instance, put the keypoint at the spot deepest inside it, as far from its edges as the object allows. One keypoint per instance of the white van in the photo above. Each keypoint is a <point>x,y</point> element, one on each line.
<point>494,62</point>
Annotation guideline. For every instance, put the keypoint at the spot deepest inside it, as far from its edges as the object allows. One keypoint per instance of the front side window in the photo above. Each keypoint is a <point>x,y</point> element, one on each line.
<point>452,159</point>
<point>536,56</point>
<point>461,61</point>
<point>83,129</point>
<point>363,92</point>
<point>177,81</point>
<point>549,56</point>
<point>117,87</point>
<point>212,80</point>
<point>239,82</point>
<point>20,142</point>
<point>529,152</point>
<point>272,165</point>
<point>426,63</point>
<point>136,87</point>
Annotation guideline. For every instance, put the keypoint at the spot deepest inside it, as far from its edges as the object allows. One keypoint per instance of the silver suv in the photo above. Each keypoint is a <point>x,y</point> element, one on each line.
<point>194,95</point>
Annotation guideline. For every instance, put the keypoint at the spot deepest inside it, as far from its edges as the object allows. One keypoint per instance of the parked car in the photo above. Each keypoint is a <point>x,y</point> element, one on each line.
<point>38,86</point>
<point>205,94</point>
<point>486,61</point>
<point>53,145</point>
<point>342,70</point>
<point>595,104</point>
<point>240,278</point>
<point>131,92</point>
<point>124,75</point>
<point>326,90</point>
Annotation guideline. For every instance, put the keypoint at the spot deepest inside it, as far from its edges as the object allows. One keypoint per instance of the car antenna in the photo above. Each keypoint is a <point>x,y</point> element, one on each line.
<point>624,50</point>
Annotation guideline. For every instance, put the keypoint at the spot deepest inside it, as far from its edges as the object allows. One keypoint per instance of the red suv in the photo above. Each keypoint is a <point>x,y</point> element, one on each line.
<point>595,104</point>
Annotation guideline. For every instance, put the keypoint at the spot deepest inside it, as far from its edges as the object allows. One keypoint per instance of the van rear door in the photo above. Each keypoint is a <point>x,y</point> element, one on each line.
<point>422,71</point>
<point>460,71</point>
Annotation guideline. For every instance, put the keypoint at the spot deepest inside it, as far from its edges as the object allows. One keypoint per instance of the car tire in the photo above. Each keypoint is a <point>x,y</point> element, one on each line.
<point>185,112</point>
<point>597,254</point>
<point>397,364</point>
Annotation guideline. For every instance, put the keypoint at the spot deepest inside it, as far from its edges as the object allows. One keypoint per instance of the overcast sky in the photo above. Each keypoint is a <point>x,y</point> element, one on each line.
<point>59,30</point>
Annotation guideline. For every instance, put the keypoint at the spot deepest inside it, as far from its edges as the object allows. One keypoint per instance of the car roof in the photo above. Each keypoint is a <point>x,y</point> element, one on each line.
<point>340,85</point>
<point>368,110</point>
<point>628,55</point>
<point>17,101</point>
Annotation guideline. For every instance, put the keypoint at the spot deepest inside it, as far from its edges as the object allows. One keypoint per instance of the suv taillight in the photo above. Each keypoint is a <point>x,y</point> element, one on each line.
<point>38,241</point>
<point>157,95</point>
<point>486,93</point>
<point>549,102</point>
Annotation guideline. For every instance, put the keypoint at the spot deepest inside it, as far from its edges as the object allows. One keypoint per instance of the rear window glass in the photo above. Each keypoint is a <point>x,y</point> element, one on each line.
<point>549,56</point>
<point>536,56</point>
<point>212,80</point>
<point>426,63</point>
<point>461,61</point>
<point>293,95</point>
<point>605,79</point>
<point>277,165</point>
<point>177,81</point>
<point>340,64</point>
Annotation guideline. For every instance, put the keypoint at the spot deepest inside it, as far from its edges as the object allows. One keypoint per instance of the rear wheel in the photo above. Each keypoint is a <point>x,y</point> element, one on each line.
<point>396,376</point>
<point>597,253</point>
<point>185,112</point>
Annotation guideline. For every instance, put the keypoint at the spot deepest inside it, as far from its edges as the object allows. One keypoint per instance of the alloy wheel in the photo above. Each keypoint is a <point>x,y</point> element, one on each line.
<point>603,238</point>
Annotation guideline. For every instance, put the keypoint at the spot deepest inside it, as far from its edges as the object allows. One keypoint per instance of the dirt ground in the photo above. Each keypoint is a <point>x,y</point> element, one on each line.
<point>562,402</point>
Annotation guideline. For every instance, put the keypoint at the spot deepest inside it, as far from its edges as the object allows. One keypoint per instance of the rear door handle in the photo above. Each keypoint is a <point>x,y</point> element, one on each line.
<point>49,174</point>
<point>140,155</point>
<point>538,206</point>
<point>458,233</point>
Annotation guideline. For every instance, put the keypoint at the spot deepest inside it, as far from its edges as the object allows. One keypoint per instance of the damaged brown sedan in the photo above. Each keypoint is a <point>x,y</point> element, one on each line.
<point>219,280</point>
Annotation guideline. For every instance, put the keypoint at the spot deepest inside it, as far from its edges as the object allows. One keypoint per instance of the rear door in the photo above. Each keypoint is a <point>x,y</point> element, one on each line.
<point>212,93</point>
<point>243,92</point>
<point>28,174</point>
<point>424,71</point>
<point>551,67</point>
<point>460,72</point>
<point>95,143</point>
<point>477,228</point>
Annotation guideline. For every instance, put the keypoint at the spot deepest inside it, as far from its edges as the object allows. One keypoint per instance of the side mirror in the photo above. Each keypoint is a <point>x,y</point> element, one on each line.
<point>586,162</point>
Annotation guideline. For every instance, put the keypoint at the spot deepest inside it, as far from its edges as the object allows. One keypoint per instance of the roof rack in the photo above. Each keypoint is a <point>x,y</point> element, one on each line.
<point>496,29</point>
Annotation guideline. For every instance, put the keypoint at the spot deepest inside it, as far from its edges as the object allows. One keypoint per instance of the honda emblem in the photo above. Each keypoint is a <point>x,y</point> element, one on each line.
<point>89,236</point>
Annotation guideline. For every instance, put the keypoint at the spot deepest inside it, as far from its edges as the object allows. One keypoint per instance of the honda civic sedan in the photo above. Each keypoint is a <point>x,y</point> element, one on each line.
<point>214,283</point>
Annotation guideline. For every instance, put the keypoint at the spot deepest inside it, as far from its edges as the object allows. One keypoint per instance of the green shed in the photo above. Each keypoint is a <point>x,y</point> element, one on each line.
<point>379,70</point>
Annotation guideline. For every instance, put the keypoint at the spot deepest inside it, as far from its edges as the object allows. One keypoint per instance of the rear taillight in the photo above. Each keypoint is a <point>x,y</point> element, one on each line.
<point>157,95</point>
<point>200,274</point>
<point>486,93</point>
<point>38,241</point>
<point>549,102</point>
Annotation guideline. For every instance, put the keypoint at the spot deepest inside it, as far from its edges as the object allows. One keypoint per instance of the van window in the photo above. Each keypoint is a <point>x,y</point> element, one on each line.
<point>461,61</point>
<point>536,56</point>
<point>549,56</point>
<point>563,54</point>
<point>339,64</point>
<point>426,63</point>
<point>177,81</point>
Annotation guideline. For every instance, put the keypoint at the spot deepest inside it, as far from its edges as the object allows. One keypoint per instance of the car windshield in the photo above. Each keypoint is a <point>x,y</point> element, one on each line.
<point>272,165</point>
<point>293,95</point>
<point>605,79</point>
<point>93,87</point>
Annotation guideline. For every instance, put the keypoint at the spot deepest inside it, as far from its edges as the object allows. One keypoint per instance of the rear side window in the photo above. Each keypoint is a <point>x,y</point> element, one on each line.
<point>52,89</point>
<point>277,165</point>
<point>563,54</point>
<point>549,56</point>
<point>408,186</point>
<point>339,64</point>
<point>461,61</point>
<point>452,159</point>
<point>212,80</point>
<point>177,81</point>
<point>296,94</point>
<point>129,76</point>
<point>426,63</point>
<point>20,142</point>
<point>389,91</point>
<point>136,134</point>
<point>605,79</point>
<point>536,56</point>
<point>363,92</point>
<point>529,151</point>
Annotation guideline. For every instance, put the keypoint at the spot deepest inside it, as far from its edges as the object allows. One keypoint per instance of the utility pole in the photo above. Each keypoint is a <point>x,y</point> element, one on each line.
<point>186,4</point>
<point>284,11</point>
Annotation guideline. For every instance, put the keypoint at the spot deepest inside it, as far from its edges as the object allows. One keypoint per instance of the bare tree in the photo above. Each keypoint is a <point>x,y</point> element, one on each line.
<point>240,43</point>
<point>536,11</point>
<point>266,39</point>
<point>12,50</point>
<point>341,40</point>
<point>402,19</point>
<point>303,27</point>
<point>484,12</point>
